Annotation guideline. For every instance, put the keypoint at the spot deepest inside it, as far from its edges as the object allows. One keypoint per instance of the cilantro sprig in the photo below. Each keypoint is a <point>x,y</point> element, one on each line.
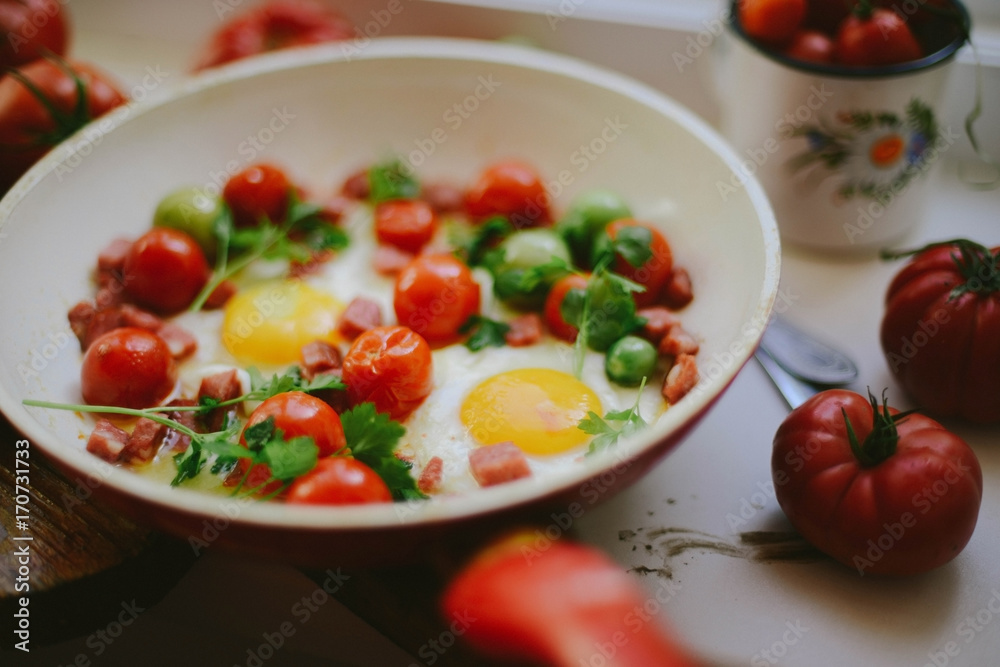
<point>262,388</point>
<point>372,438</point>
<point>303,233</point>
<point>484,332</point>
<point>391,180</point>
<point>614,426</point>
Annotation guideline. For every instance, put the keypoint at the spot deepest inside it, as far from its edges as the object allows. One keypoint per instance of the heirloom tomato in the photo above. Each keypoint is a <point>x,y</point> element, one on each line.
<point>880,491</point>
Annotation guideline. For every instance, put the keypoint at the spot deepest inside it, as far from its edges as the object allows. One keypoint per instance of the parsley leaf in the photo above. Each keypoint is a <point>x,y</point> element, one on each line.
<point>392,180</point>
<point>479,250</point>
<point>614,426</point>
<point>484,333</point>
<point>262,388</point>
<point>372,438</point>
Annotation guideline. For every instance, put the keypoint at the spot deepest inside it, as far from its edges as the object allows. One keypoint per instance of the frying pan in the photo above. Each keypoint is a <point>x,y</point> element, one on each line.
<point>450,107</point>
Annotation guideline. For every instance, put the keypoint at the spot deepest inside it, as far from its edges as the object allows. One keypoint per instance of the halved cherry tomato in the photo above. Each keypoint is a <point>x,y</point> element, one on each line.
<point>390,367</point>
<point>875,39</point>
<point>278,24</point>
<point>771,21</point>
<point>259,191</point>
<point>408,224</point>
<point>435,295</point>
<point>128,368</point>
<point>653,273</point>
<point>31,29</point>
<point>511,189</point>
<point>553,306</point>
<point>29,127</point>
<point>339,480</point>
<point>295,414</point>
<point>164,270</point>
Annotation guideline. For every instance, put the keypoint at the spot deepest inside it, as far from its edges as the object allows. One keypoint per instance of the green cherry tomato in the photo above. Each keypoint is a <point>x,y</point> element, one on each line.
<point>629,360</point>
<point>588,215</point>
<point>191,211</point>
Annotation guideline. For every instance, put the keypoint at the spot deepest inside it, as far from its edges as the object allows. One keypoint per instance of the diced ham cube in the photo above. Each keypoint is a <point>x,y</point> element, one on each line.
<point>443,197</point>
<point>112,257</point>
<point>103,321</point>
<point>430,477</point>
<point>110,292</point>
<point>524,330</point>
<point>133,316</point>
<point>311,265</point>
<point>361,315</point>
<point>677,342</point>
<point>498,464</point>
<point>682,378</point>
<point>221,295</point>
<point>180,341</point>
<point>144,441</point>
<point>80,316</point>
<point>357,185</point>
<point>677,291</point>
<point>390,260</point>
<point>224,386</point>
<point>107,441</point>
<point>659,320</point>
<point>176,440</point>
<point>319,357</point>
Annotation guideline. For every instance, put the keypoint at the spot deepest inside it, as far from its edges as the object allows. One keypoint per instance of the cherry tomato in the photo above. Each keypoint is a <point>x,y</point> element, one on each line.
<point>296,414</point>
<point>408,224</point>
<point>339,480</point>
<point>900,498</point>
<point>128,368</point>
<point>277,24</point>
<point>940,330</point>
<point>876,39</point>
<point>811,46</point>
<point>31,29</point>
<point>259,191</point>
<point>511,189</point>
<point>435,295</point>
<point>29,128</point>
<point>553,306</point>
<point>165,269</point>
<point>654,272</point>
<point>390,367</point>
<point>771,21</point>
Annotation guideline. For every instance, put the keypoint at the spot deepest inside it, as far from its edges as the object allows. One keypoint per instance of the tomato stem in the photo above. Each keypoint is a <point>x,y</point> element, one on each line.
<point>976,263</point>
<point>864,9</point>
<point>883,438</point>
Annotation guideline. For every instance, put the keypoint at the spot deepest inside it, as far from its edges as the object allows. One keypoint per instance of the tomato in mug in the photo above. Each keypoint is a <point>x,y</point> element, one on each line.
<point>811,46</point>
<point>940,330</point>
<point>879,491</point>
<point>277,24</point>
<point>295,414</point>
<point>511,189</point>
<point>390,367</point>
<point>127,367</point>
<point>557,325</point>
<point>771,21</point>
<point>164,270</point>
<point>652,274</point>
<point>261,191</point>
<point>30,126</point>
<point>435,295</point>
<point>339,480</point>
<point>875,38</point>
<point>408,224</point>
<point>31,29</point>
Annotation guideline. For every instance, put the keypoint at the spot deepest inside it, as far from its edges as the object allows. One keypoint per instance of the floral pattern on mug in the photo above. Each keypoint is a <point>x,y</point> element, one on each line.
<point>876,153</point>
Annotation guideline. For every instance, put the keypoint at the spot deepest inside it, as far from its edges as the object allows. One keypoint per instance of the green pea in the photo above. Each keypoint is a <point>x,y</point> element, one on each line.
<point>191,211</point>
<point>629,360</point>
<point>588,215</point>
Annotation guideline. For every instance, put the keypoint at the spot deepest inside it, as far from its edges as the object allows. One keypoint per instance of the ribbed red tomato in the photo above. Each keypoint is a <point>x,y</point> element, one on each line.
<point>30,29</point>
<point>390,367</point>
<point>881,492</point>
<point>941,330</point>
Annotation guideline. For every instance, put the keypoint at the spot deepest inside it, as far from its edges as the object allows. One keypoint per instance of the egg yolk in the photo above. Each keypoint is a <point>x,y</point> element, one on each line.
<point>537,409</point>
<point>270,323</point>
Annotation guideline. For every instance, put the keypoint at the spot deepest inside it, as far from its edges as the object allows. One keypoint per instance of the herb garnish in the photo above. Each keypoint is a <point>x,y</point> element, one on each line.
<point>372,438</point>
<point>392,180</point>
<point>484,332</point>
<point>626,423</point>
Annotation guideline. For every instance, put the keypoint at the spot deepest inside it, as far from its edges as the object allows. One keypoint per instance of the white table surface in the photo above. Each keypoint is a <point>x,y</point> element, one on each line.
<point>730,609</point>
